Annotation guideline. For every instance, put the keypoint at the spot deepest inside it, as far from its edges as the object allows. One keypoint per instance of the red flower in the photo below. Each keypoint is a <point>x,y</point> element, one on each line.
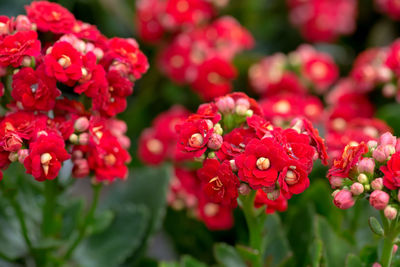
<point>107,158</point>
<point>15,128</point>
<point>187,12</point>
<point>215,216</point>
<point>34,90</point>
<point>392,172</point>
<point>152,150</point>
<point>214,78</point>
<point>392,60</point>
<point>46,155</point>
<point>260,163</point>
<point>280,204</point>
<point>13,48</point>
<point>351,155</point>
<point>126,51</point>
<point>293,179</point>
<point>50,17</point>
<point>64,63</point>
<point>148,25</point>
<point>219,183</point>
<point>321,70</point>
<point>234,143</point>
<point>193,137</point>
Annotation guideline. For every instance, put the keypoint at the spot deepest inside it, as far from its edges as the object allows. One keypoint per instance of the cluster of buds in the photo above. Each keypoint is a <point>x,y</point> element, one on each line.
<point>44,124</point>
<point>241,151</point>
<point>323,20</point>
<point>368,170</point>
<point>203,56</point>
<point>156,17</point>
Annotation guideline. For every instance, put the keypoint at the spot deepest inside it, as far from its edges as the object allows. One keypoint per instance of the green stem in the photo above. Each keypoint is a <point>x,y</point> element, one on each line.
<point>49,207</point>
<point>392,230</point>
<point>21,219</point>
<point>255,223</point>
<point>89,217</point>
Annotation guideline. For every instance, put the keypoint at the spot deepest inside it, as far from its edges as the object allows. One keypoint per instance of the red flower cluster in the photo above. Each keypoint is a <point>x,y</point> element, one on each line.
<point>202,57</point>
<point>241,151</point>
<point>156,17</point>
<point>368,170</point>
<point>323,20</point>
<point>158,144</point>
<point>44,124</point>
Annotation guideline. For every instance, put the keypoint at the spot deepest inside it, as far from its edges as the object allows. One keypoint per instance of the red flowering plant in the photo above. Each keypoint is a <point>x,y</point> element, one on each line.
<point>62,84</point>
<point>246,160</point>
<point>371,171</point>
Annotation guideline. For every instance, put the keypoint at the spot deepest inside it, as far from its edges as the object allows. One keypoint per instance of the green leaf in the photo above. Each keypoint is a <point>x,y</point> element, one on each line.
<point>227,256</point>
<point>112,246</point>
<point>353,261</point>
<point>375,226</point>
<point>168,264</point>
<point>277,246</point>
<point>188,261</point>
<point>147,186</point>
<point>316,252</point>
<point>335,247</point>
<point>101,221</point>
<point>71,215</point>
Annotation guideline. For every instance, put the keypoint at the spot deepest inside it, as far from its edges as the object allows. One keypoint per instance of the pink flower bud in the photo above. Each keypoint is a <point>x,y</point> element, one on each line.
<point>357,189</point>
<point>233,165</point>
<point>376,264</point>
<point>389,150</point>
<point>83,139</point>
<point>22,23</point>
<point>395,247</point>
<point>379,154</point>
<point>13,156</point>
<point>390,212</point>
<point>196,140</point>
<point>225,104</point>
<point>387,139</point>
<point>124,141</point>
<point>366,165</point>
<point>336,182</point>
<point>244,189</point>
<point>377,184</point>
<point>343,199</point>
<point>81,124</point>
<point>379,199</point>
<point>22,154</point>
<point>215,141</point>
<point>81,168</point>
<point>242,105</point>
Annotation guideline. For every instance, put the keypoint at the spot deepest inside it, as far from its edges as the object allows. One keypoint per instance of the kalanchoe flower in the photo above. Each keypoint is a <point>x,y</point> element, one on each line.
<point>391,171</point>
<point>343,199</point>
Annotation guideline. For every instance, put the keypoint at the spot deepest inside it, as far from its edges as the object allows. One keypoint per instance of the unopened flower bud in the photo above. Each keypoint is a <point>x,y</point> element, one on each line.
<point>274,195</point>
<point>242,105</point>
<point>22,23</point>
<point>81,124</point>
<point>196,140</point>
<point>362,178</point>
<point>367,187</point>
<point>381,153</point>
<point>73,138</point>
<point>334,193</point>
<point>13,156</point>
<point>249,113</point>
<point>377,184</point>
<point>210,124</point>
<point>244,189</point>
<point>218,129</point>
<point>81,168</point>
<point>83,139</point>
<point>390,212</point>
<point>379,199</point>
<point>225,104</point>
<point>336,182</point>
<point>263,163</point>
<point>366,165</point>
<point>22,154</point>
<point>395,247</point>
<point>343,199</point>
<point>372,144</point>
<point>211,155</point>
<point>376,264</point>
<point>389,150</point>
<point>389,90</point>
<point>215,141</point>
<point>357,189</point>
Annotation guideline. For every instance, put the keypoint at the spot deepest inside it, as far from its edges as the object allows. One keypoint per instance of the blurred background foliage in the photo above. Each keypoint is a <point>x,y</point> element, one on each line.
<point>313,232</point>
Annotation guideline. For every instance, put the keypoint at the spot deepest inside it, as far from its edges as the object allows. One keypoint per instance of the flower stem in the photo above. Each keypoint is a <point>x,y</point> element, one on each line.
<point>391,232</point>
<point>21,219</point>
<point>89,217</point>
<point>255,222</point>
<point>50,195</point>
